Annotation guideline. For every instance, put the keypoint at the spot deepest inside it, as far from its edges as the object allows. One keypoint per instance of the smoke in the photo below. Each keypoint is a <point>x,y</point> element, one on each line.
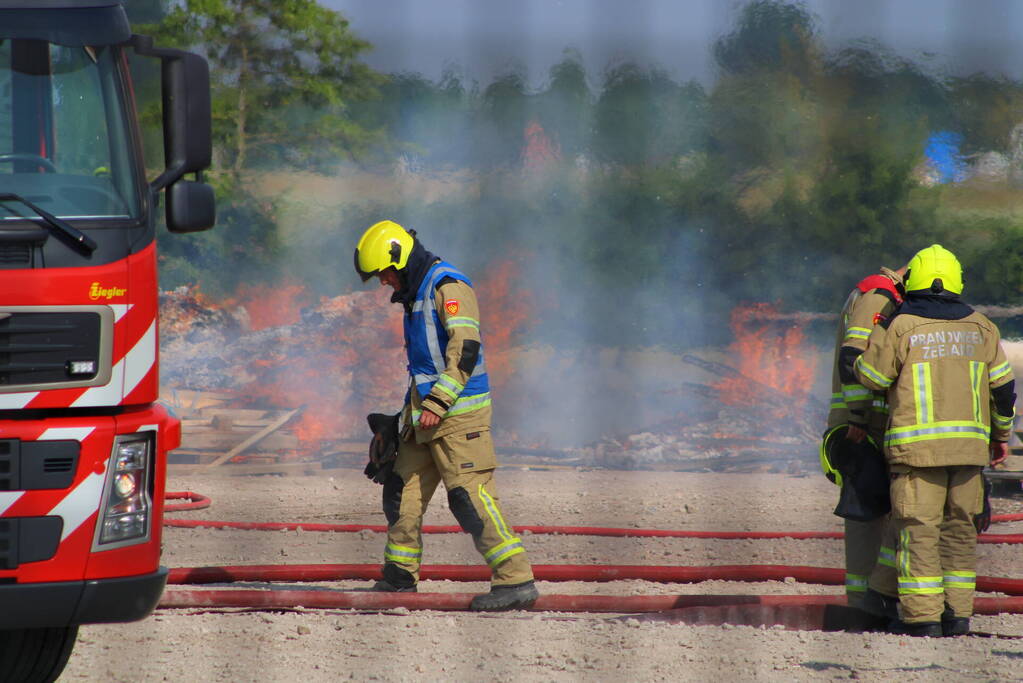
<point>612,222</point>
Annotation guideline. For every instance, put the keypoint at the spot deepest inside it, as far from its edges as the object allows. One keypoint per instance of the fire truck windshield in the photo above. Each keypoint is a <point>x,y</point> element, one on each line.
<point>67,146</point>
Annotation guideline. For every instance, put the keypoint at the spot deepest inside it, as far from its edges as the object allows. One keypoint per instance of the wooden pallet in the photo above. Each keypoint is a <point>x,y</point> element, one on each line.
<point>213,432</point>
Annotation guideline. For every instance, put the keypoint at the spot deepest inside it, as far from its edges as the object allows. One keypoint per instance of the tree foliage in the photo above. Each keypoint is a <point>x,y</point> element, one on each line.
<point>793,174</point>
<point>284,75</point>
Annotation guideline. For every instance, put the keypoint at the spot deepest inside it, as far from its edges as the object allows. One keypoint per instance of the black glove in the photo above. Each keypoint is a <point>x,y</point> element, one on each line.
<point>983,520</point>
<point>383,449</point>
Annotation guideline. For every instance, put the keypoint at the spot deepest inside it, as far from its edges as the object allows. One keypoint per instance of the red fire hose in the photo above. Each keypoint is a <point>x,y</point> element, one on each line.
<point>288,599</point>
<point>795,611</point>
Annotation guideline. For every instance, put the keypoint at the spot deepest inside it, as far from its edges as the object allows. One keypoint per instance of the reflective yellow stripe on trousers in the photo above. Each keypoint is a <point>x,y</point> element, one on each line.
<point>855,583</point>
<point>403,554</point>
<point>511,545</point>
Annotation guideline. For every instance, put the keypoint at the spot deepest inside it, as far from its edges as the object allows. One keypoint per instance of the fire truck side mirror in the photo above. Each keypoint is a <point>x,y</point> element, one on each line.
<point>186,113</point>
<point>190,207</point>
<point>187,123</point>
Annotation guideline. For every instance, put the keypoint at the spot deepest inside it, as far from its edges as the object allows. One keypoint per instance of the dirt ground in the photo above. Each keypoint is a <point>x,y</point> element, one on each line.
<point>401,645</point>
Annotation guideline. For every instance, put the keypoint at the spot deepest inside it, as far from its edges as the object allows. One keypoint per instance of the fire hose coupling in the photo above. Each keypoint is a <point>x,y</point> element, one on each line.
<point>127,503</point>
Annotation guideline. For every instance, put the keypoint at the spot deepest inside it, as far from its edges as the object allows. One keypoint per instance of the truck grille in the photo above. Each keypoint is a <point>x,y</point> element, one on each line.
<point>28,539</point>
<point>39,345</point>
<point>35,465</point>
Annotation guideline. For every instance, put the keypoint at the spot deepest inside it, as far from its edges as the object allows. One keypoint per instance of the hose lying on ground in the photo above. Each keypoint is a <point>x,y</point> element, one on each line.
<point>791,611</point>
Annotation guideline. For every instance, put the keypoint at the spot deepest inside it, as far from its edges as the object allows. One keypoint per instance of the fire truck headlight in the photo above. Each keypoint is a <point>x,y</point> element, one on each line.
<point>125,484</point>
<point>126,503</point>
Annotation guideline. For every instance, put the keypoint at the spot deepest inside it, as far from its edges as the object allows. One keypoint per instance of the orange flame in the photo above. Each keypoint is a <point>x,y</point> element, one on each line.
<point>344,358</point>
<point>270,306</point>
<point>539,150</point>
<point>781,361</point>
<point>505,312</point>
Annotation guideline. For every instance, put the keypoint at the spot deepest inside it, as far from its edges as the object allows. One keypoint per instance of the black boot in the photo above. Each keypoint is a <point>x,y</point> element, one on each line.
<point>500,598</point>
<point>880,605</point>
<point>921,629</point>
<point>396,580</point>
<point>951,625</point>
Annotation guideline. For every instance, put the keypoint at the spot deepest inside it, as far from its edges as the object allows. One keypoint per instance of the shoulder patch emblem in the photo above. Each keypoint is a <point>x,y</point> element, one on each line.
<point>878,318</point>
<point>451,306</point>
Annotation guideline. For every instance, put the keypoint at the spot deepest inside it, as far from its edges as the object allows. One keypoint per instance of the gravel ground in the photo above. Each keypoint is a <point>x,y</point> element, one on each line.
<point>401,645</point>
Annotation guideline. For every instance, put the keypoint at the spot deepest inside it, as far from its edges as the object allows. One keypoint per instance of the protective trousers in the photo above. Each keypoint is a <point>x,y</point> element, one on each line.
<point>862,544</point>
<point>465,463</point>
<point>928,557</point>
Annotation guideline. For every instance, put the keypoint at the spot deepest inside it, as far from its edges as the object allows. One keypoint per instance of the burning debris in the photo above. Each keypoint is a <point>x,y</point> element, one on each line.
<point>757,417</point>
<point>342,358</point>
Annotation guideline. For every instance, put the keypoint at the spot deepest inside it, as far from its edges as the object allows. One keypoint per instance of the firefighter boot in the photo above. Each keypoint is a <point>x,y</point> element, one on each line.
<point>951,625</point>
<point>880,605</point>
<point>921,629</point>
<point>501,598</point>
<point>396,580</point>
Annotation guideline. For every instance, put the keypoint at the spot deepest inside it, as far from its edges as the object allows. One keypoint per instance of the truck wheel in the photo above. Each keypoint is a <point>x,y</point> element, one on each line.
<point>35,655</point>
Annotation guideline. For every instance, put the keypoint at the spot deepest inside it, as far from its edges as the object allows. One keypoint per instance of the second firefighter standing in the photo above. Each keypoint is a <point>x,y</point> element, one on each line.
<point>863,411</point>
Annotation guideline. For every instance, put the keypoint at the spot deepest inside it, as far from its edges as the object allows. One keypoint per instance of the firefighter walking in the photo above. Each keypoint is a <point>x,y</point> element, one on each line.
<point>951,397</point>
<point>862,412</point>
<point>445,423</point>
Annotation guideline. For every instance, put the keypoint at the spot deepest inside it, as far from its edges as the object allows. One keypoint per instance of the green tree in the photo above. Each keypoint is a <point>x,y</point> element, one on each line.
<point>770,36</point>
<point>424,118</point>
<point>565,107</point>
<point>504,114</point>
<point>764,108</point>
<point>986,109</point>
<point>643,116</point>
<point>284,74</point>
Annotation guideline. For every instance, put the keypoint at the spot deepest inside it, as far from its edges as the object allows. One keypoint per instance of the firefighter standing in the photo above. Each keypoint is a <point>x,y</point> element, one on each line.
<point>872,301</point>
<point>446,420</point>
<point>951,397</point>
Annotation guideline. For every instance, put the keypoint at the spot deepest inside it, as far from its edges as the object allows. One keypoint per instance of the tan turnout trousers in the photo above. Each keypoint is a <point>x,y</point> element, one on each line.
<point>862,543</point>
<point>929,555</point>
<point>465,462</point>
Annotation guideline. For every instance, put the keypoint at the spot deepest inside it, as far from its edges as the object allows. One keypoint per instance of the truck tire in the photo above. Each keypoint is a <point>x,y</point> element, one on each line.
<point>35,655</point>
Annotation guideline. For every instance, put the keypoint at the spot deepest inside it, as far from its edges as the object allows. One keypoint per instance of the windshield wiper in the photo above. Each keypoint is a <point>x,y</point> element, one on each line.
<point>62,228</point>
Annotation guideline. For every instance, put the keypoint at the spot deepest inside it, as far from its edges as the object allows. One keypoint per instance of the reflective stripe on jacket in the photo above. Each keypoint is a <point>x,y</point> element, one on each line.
<point>938,375</point>
<point>426,342</point>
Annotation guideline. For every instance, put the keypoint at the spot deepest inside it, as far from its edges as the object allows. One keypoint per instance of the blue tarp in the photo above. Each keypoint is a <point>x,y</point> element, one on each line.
<point>943,155</point>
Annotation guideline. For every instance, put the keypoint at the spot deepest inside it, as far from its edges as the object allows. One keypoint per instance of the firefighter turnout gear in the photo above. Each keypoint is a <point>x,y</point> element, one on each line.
<point>445,355</point>
<point>950,392</point>
<point>874,299</point>
<point>446,421</point>
<point>465,463</point>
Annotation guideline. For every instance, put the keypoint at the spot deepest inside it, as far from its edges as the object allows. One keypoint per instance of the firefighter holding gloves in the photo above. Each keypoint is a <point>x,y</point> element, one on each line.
<point>951,397</point>
<point>443,431</point>
<point>850,452</point>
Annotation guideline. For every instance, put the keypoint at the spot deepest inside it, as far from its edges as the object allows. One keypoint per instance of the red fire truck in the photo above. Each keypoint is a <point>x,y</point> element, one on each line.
<point>83,441</point>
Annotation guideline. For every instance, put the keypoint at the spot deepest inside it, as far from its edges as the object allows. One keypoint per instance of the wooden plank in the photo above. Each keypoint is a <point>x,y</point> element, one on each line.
<point>206,440</point>
<point>237,414</point>
<point>187,401</point>
<point>261,434</point>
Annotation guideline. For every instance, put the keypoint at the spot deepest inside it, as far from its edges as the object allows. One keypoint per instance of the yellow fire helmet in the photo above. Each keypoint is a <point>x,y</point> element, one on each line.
<point>383,245</point>
<point>935,263</point>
